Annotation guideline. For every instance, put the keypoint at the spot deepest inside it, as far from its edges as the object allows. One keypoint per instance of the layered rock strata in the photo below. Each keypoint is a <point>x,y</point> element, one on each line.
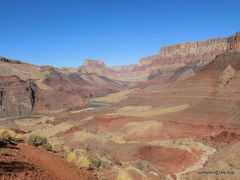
<point>17,97</point>
<point>168,60</point>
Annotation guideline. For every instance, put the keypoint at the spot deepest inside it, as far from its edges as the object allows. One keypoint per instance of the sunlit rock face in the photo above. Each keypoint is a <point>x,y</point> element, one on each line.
<point>166,62</point>
<point>17,97</point>
<point>187,51</point>
<point>234,42</point>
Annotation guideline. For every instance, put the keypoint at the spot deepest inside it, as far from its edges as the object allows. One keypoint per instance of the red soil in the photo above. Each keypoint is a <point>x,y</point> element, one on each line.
<point>27,162</point>
<point>54,164</point>
<point>14,165</point>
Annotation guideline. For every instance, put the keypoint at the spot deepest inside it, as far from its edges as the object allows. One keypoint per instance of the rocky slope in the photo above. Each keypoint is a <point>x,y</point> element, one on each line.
<point>54,89</point>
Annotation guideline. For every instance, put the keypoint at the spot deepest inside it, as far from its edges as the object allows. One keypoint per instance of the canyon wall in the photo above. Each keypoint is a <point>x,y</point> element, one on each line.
<point>183,60</point>
<point>17,97</point>
<point>234,42</point>
<point>187,51</point>
<point>169,59</point>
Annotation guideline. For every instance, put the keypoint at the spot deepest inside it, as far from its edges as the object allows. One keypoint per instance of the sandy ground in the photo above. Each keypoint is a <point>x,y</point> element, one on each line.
<point>140,128</point>
<point>113,98</point>
<point>148,111</point>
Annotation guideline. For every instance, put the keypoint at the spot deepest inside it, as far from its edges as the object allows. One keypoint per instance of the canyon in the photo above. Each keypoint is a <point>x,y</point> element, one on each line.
<point>172,116</point>
<point>167,61</point>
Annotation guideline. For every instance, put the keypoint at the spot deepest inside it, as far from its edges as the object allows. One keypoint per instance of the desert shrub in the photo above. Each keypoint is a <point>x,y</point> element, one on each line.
<point>72,157</point>
<point>123,175</point>
<point>115,160</point>
<point>68,149</point>
<point>6,134</point>
<point>94,159</point>
<point>57,147</point>
<point>36,141</point>
<point>83,161</point>
<point>47,146</point>
<point>88,159</point>
<point>19,136</point>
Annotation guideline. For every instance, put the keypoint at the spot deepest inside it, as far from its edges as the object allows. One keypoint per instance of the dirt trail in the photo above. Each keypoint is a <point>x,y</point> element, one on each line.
<point>54,164</point>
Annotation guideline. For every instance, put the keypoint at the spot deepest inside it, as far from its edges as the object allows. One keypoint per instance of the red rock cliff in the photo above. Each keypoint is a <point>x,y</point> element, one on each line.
<point>234,42</point>
<point>187,51</point>
<point>17,97</point>
<point>168,59</point>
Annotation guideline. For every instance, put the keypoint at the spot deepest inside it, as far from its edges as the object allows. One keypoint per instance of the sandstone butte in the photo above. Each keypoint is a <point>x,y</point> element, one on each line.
<point>174,115</point>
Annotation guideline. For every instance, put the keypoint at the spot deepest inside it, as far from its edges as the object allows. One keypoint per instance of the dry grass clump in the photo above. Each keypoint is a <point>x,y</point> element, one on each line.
<point>83,161</point>
<point>94,159</point>
<point>6,134</point>
<point>72,157</point>
<point>68,149</point>
<point>36,141</point>
<point>19,136</point>
<point>89,159</point>
<point>123,175</point>
<point>56,147</point>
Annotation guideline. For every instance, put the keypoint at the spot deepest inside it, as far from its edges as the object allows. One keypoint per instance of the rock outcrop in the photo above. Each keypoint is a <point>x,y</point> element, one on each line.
<point>94,67</point>
<point>225,77</point>
<point>17,97</point>
<point>90,62</point>
<point>234,42</point>
<point>11,61</point>
<point>188,51</point>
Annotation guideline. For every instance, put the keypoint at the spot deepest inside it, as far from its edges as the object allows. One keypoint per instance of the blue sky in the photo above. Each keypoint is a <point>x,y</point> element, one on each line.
<point>64,33</point>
